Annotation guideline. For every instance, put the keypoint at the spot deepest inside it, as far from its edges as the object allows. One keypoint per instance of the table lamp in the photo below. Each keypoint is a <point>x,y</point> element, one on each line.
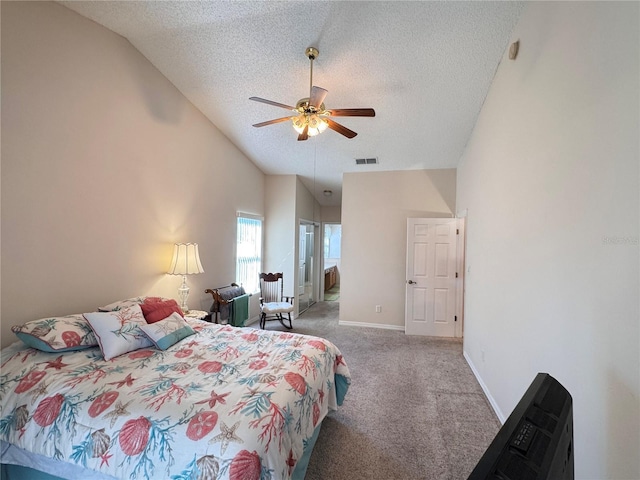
<point>185,261</point>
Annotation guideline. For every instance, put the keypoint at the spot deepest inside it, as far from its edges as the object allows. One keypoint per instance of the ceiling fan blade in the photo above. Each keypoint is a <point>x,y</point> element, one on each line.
<point>270,102</point>
<point>341,129</point>
<point>317,96</point>
<point>305,133</point>
<point>352,112</point>
<point>271,122</point>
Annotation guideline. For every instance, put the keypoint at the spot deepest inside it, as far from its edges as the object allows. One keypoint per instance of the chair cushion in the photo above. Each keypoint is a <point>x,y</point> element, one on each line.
<point>276,307</point>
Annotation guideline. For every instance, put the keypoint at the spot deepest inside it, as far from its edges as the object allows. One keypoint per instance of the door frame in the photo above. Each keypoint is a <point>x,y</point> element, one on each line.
<point>461,269</point>
<point>316,263</point>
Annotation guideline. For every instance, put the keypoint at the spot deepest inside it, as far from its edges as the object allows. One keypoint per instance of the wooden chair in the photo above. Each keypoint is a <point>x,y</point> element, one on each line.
<point>273,304</point>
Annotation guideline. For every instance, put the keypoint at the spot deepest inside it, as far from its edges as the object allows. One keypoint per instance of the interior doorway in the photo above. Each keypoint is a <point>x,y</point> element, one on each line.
<point>332,241</point>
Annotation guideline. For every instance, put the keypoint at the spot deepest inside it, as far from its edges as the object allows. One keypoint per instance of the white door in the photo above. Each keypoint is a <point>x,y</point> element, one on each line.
<point>431,277</point>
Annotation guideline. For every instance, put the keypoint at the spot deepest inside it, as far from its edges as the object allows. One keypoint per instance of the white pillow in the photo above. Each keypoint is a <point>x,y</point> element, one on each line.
<point>120,304</point>
<point>119,332</point>
<point>168,332</point>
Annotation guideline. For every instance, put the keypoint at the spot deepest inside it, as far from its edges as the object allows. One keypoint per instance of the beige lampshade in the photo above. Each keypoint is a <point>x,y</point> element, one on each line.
<point>186,259</point>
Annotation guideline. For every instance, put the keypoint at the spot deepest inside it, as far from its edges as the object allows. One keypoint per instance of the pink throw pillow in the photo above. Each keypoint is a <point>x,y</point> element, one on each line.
<point>155,309</point>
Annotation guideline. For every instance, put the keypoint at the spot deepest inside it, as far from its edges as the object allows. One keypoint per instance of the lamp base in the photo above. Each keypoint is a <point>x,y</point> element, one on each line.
<point>183,294</point>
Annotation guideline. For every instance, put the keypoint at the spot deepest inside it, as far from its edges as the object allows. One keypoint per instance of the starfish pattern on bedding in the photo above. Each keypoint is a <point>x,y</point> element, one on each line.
<point>119,410</point>
<point>214,398</point>
<point>57,363</point>
<point>228,435</point>
<point>168,326</point>
<point>128,381</point>
<point>276,368</point>
<point>41,390</point>
<point>196,357</point>
<point>105,458</point>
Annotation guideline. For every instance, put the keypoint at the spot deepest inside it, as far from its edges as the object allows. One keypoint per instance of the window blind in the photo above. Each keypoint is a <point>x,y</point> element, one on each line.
<point>248,252</point>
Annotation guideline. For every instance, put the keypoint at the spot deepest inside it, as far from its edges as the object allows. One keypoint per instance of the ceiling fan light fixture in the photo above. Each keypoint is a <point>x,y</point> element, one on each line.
<point>316,124</point>
<point>299,122</point>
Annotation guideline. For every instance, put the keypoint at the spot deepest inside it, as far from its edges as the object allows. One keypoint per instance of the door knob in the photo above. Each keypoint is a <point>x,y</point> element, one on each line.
<point>411,282</point>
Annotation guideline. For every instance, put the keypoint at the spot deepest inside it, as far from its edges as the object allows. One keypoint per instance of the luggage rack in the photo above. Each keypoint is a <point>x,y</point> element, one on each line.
<point>223,298</point>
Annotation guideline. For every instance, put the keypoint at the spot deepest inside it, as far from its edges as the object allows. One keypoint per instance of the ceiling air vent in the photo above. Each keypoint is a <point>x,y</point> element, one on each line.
<point>366,161</point>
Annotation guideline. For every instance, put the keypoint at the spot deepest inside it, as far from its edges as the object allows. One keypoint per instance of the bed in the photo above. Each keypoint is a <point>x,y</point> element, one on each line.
<point>219,403</point>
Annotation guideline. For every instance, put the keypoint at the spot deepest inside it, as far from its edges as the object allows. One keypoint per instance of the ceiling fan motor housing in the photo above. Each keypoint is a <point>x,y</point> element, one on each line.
<point>303,106</point>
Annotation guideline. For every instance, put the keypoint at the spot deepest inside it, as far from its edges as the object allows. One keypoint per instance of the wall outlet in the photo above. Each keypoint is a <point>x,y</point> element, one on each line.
<point>378,308</point>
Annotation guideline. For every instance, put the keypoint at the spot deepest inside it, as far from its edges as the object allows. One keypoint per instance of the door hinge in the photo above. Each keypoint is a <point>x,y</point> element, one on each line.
<point>455,318</point>
<point>457,231</point>
<point>456,274</point>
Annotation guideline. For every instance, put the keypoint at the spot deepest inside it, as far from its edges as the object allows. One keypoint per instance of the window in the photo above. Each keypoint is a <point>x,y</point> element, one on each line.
<point>248,252</point>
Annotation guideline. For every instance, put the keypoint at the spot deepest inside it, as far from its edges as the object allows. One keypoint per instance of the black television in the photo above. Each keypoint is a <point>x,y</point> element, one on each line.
<point>536,441</point>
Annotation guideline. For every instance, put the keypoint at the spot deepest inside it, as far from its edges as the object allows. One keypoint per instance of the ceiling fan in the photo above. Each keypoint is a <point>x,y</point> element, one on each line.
<point>310,117</point>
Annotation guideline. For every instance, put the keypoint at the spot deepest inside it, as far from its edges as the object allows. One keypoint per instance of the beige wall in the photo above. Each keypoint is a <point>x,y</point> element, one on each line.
<point>287,202</point>
<point>104,166</point>
<point>280,228</point>
<point>550,181</point>
<point>331,214</point>
<point>375,208</point>
<point>308,210</point>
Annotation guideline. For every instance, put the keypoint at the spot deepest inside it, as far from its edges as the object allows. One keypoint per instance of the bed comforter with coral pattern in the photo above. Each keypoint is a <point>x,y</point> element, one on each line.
<point>226,403</point>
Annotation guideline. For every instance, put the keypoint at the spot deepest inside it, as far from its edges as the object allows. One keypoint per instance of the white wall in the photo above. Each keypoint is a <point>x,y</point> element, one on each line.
<point>375,208</point>
<point>550,181</point>
<point>104,166</point>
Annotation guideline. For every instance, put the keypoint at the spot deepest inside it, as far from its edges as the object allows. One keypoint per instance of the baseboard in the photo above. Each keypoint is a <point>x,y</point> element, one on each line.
<point>485,389</point>
<point>371,325</point>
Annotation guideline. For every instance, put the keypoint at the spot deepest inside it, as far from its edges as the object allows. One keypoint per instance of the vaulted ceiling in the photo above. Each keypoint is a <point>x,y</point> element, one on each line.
<point>424,66</point>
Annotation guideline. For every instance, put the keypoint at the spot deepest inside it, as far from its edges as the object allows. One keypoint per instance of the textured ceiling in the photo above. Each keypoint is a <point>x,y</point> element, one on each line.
<point>425,67</point>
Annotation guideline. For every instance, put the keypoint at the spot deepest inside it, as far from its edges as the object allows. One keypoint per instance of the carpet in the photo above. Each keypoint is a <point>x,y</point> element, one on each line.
<point>414,409</point>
